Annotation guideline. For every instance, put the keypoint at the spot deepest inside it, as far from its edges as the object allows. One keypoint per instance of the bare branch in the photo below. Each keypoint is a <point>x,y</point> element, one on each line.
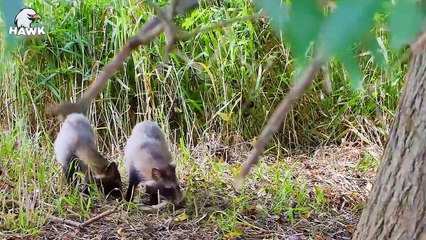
<point>280,113</point>
<point>63,220</point>
<point>96,218</point>
<point>170,29</point>
<point>86,223</point>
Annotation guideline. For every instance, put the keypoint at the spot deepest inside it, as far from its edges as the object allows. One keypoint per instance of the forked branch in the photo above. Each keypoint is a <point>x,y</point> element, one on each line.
<point>280,113</point>
<point>162,22</point>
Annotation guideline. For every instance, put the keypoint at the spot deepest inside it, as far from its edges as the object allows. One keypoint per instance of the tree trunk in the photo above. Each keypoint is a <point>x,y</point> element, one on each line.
<point>396,208</point>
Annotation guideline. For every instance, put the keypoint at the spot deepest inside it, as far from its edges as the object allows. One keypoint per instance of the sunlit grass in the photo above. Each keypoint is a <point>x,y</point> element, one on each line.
<point>225,80</point>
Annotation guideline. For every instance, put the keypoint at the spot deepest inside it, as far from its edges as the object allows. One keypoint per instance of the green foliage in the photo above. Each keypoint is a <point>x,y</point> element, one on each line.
<point>303,26</point>
<point>299,22</point>
<point>351,64</point>
<point>343,29</point>
<point>405,21</point>
<point>337,34</point>
<point>277,11</point>
<point>370,44</point>
<point>227,80</point>
<point>345,26</point>
<point>368,162</point>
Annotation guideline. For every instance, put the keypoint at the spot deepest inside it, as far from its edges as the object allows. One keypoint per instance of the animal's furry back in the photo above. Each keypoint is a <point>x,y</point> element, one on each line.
<point>147,144</point>
<point>76,132</point>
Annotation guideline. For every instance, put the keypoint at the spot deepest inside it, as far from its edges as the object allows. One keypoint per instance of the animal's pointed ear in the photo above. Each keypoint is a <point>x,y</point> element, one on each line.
<point>112,165</point>
<point>156,175</point>
<point>111,168</point>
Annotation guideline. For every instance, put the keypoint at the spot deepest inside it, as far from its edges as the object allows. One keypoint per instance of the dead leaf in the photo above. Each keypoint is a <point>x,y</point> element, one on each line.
<point>350,228</point>
<point>65,237</point>
<point>356,196</point>
<point>141,6</point>
<point>319,238</point>
<point>122,233</point>
<point>181,217</point>
<point>232,234</point>
<point>261,192</point>
<point>295,237</point>
<point>369,186</point>
<point>250,211</point>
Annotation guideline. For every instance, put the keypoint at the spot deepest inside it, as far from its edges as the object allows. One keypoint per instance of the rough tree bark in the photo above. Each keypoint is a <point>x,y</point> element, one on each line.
<point>396,208</point>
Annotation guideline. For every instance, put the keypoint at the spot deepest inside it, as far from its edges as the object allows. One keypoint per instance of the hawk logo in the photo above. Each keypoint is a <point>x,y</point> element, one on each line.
<point>23,21</point>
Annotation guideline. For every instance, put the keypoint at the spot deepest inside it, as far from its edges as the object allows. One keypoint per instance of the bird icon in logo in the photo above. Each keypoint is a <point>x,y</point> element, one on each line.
<point>26,17</point>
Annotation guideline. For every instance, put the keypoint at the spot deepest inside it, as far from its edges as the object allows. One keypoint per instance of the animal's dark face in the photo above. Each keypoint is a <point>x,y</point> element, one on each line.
<point>167,183</point>
<point>111,183</point>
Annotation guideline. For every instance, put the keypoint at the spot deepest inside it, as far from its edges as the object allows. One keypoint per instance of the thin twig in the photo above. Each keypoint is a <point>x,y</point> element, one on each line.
<point>170,29</point>
<point>7,106</point>
<point>94,219</point>
<point>280,113</point>
<point>65,221</point>
<point>84,224</point>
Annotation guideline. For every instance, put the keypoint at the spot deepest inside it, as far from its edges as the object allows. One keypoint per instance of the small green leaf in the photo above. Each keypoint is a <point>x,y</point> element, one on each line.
<point>405,22</point>
<point>303,26</point>
<point>347,23</point>
<point>350,62</point>
<point>225,117</point>
<point>370,44</point>
<point>277,11</point>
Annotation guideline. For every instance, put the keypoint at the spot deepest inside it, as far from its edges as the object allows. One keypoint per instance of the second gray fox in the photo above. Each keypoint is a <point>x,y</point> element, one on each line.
<point>149,162</point>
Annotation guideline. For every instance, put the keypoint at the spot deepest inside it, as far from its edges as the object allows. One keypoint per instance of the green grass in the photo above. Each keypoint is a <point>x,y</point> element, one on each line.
<point>224,83</point>
<point>229,80</point>
<point>33,188</point>
<point>368,162</point>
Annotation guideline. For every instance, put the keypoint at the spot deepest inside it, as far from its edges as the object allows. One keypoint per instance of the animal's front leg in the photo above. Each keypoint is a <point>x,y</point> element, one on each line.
<point>153,195</point>
<point>133,183</point>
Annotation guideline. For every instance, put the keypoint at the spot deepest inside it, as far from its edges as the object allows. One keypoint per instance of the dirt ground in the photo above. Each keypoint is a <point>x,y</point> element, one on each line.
<point>331,169</point>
